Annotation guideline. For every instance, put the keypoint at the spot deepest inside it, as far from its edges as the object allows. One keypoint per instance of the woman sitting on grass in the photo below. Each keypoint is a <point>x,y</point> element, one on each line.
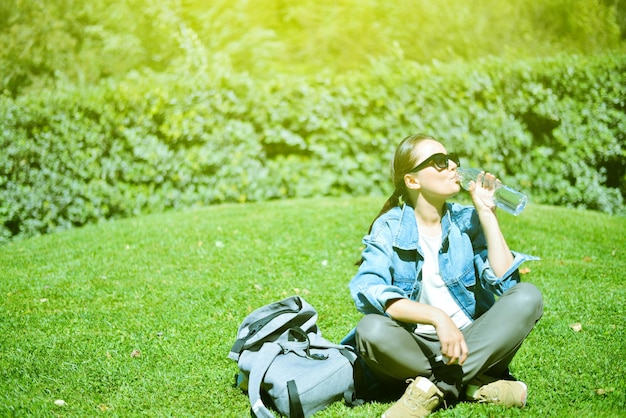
<point>428,281</point>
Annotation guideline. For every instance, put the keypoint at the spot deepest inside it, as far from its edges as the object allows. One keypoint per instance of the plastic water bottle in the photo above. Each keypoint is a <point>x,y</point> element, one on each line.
<point>505,197</point>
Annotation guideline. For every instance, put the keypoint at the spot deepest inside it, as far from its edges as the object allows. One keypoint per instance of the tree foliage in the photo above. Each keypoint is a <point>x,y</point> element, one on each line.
<point>44,41</point>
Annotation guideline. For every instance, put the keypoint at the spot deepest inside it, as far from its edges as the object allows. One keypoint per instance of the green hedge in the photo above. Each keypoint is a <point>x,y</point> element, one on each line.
<point>553,128</point>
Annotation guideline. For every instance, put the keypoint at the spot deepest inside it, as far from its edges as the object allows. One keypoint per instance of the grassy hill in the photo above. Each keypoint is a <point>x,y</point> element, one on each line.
<point>136,317</point>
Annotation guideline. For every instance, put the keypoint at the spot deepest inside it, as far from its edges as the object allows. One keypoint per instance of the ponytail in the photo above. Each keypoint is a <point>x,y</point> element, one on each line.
<point>392,202</point>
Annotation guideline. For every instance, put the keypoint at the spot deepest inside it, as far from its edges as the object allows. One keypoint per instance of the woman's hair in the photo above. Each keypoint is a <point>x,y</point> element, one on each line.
<point>403,161</point>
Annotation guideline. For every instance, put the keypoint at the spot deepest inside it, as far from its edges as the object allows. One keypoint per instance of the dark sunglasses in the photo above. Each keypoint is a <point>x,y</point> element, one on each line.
<point>440,161</point>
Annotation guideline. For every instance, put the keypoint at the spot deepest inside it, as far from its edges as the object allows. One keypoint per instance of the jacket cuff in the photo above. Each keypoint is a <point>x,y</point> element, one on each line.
<point>487,274</point>
<point>375,299</point>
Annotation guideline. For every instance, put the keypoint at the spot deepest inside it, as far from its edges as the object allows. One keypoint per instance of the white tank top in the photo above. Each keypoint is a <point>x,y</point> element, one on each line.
<point>434,290</point>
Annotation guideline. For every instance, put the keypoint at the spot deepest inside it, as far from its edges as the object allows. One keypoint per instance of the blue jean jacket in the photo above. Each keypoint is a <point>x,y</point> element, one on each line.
<point>393,260</point>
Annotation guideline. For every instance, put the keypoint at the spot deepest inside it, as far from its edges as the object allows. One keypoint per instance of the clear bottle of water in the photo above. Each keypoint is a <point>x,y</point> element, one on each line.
<point>505,197</point>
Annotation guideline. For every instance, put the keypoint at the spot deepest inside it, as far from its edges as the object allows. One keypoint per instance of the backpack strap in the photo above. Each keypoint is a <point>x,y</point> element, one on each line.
<point>296,341</point>
<point>295,405</point>
<point>351,395</point>
<point>266,356</point>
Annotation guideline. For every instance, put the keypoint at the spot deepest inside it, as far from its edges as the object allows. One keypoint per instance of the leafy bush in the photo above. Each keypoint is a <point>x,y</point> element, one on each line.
<point>552,127</point>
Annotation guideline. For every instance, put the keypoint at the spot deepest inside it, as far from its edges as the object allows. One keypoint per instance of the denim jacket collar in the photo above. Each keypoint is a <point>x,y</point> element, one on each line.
<point>407,236</point>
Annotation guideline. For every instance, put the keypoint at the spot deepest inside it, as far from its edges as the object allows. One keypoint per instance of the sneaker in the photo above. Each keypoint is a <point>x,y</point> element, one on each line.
<point>419,400</point>
<point>507,393</point>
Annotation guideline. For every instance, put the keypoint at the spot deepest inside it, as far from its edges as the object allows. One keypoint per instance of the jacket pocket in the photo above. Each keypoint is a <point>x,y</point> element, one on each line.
<point>407,284</point>
<point>468,278</point>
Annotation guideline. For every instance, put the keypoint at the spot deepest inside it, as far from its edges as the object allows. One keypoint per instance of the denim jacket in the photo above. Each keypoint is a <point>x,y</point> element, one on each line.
<point>393,260</point>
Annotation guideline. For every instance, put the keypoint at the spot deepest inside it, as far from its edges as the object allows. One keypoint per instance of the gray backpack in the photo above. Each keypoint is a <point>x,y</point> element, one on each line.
<point>283,359</point>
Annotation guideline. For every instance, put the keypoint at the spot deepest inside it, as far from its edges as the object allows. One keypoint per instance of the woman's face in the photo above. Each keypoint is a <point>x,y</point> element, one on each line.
<point>433,180</point>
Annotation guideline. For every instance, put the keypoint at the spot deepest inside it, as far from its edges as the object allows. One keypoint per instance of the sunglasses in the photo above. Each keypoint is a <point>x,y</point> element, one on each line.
<point>440,161</point>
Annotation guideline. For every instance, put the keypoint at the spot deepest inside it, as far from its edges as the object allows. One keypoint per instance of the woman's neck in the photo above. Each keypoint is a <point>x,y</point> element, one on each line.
<point>429,218</point>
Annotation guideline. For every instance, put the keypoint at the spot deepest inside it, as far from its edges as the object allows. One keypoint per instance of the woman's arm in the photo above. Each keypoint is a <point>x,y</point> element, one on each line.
<point>373,286</point>
<point>453,344</point>
<point>498,252</point>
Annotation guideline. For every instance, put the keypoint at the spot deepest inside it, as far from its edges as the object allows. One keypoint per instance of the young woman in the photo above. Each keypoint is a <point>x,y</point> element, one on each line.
<point>440,289</point>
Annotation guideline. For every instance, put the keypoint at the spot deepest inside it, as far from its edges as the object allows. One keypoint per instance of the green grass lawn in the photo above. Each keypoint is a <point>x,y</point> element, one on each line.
<point>136,317</point>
